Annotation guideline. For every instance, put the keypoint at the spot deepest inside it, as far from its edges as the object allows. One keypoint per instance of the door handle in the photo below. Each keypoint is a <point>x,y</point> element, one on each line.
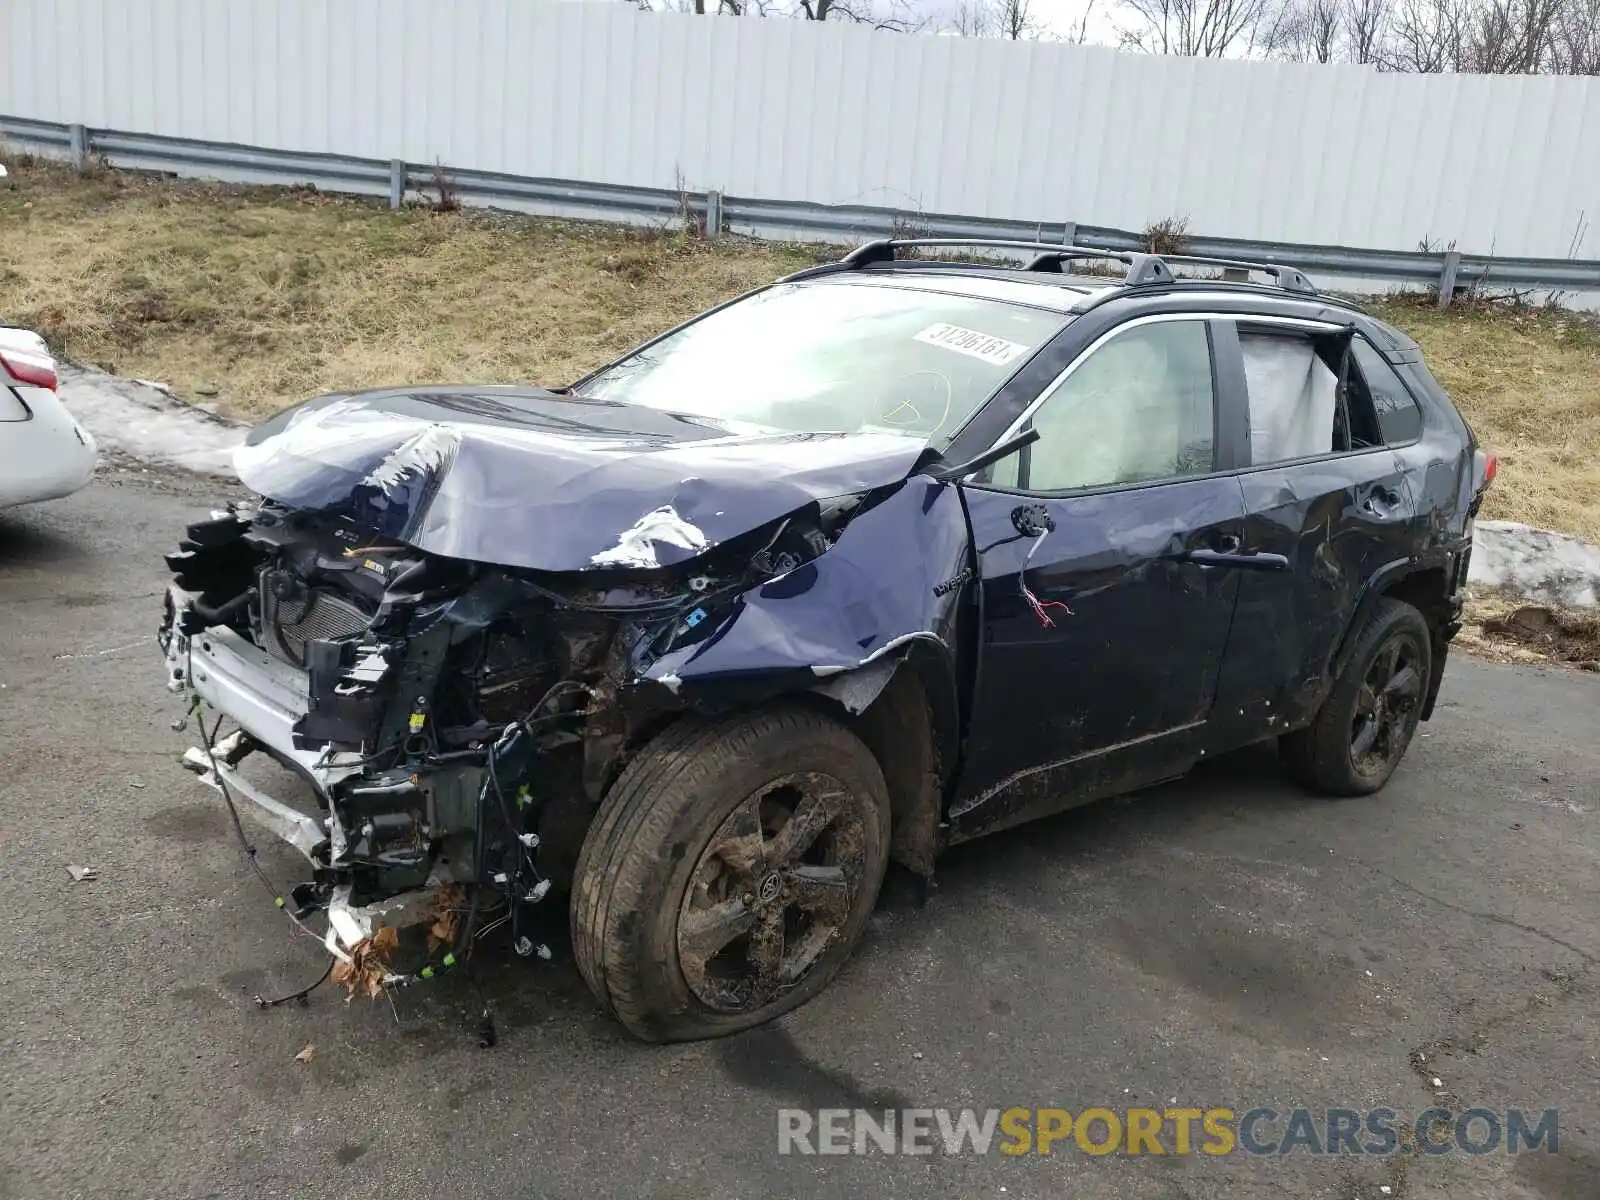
<point>1256,560</point>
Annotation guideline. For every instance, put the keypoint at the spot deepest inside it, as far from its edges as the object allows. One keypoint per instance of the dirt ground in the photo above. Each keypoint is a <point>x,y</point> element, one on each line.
<point>1510,630</point>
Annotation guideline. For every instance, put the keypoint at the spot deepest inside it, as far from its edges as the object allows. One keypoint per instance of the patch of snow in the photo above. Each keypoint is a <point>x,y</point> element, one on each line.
<point>423,452</point>
<point>1551,568</point>
<point>147,422</point>
<point>636,546</point>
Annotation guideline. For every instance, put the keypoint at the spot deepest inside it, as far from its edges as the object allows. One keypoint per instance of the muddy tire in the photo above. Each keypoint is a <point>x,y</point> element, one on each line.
<point>1363,728</point>
<point>729,873</point>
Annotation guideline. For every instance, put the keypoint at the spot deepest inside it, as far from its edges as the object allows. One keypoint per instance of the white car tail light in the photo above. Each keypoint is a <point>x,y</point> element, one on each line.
<point>1488,468</point>
<point>25,359</point>
<point>26,366</point>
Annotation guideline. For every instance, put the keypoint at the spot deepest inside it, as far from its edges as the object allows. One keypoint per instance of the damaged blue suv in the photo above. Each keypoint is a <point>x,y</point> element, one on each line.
<point>882,557</point>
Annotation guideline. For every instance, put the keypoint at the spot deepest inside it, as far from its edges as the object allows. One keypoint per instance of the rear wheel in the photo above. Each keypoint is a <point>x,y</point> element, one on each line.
<point>729,873</point>
<point>1363,728</point>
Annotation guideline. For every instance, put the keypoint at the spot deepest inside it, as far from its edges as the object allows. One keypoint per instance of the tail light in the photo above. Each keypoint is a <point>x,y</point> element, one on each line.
<point>1488,466</point>
<point>29,367</point>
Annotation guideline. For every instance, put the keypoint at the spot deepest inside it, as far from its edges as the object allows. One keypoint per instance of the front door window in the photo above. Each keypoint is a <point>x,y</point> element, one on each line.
<point>1137,409</point>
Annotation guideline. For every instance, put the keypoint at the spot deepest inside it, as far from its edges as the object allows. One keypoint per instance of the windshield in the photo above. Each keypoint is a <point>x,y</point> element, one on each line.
<point>835,357</point>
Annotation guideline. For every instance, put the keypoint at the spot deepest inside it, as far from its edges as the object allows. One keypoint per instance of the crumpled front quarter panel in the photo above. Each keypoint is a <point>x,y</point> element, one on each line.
<point>896,574</point>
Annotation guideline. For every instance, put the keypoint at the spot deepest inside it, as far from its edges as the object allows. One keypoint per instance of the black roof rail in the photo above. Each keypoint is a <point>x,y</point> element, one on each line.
<point>1148,268</point>
<point>1049,252</point>
<point>1290,279</point>
<point>1143,269</point>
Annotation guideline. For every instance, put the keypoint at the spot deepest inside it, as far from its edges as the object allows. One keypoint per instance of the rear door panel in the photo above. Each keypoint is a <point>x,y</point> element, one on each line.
<point>1338,521</point>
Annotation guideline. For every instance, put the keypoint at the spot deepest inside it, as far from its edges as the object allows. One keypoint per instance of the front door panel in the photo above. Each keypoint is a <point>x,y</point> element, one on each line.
<point>1106,696</point>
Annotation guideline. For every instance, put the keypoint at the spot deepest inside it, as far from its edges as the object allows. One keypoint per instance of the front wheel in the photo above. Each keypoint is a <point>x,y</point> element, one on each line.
<point>729,873</point>
<point>1363,728</point>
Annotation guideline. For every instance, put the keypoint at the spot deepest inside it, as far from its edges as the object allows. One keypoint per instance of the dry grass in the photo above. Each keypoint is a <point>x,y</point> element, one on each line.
<point>270,295</point>
<point>1528,382</point>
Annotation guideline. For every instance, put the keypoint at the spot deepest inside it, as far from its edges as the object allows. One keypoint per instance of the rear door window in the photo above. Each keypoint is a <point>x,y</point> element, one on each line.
<point>1307,398</point>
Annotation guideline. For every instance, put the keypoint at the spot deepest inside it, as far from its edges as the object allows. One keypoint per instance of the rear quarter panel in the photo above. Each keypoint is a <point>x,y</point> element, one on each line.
<point>1439,465</point>
<point>45,456</point>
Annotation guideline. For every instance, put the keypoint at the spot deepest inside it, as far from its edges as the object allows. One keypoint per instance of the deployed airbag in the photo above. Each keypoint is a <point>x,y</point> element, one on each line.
<point>1292,398</point>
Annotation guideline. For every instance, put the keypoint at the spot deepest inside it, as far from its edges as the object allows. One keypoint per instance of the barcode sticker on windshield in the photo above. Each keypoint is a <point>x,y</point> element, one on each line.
<point>969,341</point>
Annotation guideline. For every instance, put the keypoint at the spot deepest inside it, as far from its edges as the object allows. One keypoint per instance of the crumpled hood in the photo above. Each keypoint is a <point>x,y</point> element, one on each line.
<point>521,477</point>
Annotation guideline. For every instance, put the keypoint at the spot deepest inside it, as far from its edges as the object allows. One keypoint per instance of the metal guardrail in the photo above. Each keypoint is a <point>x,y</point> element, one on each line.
<point>714,212</point>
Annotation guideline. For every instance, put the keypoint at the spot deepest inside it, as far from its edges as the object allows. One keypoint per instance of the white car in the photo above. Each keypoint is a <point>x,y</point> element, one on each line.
<point>44,453</point>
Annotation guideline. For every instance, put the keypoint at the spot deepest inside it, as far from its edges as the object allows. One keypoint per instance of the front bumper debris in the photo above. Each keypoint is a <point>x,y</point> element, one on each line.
<point>293,826</point>
<point>223,672</point>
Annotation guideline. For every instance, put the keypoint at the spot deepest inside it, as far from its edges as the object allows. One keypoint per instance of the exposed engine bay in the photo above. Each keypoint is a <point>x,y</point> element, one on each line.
<point>457,722</point>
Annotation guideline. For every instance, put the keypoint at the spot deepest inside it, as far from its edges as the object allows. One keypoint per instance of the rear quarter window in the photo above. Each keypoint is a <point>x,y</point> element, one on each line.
<point>1399,417</point>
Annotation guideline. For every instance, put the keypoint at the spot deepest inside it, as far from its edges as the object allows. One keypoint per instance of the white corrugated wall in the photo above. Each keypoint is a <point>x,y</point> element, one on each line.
<point>794,110</point>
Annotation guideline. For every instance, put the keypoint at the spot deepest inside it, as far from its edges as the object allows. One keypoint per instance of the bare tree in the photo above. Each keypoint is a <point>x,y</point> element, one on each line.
<point>1511,37</point>
<point>1427,36</point>
<point>1012,19</point>
<point>1016,19</point>
<point>973,18</point>
<point>1199,28</point>
<point>1575,41</point>
<point>898,15</point>
<point>1366,27</point>
<point>879,14</point>
<point>1492,37</point>
<point>1323,26</point>
<point>1419,36</point>
<point>1078,34</point>
<point>1309,31</point>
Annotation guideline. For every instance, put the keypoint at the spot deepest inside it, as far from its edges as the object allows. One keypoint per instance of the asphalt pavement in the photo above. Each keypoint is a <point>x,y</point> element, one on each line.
<point>1225,941</point>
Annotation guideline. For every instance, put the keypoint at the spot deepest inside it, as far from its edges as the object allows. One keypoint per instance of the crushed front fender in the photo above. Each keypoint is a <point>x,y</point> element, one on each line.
<point>895,576</point>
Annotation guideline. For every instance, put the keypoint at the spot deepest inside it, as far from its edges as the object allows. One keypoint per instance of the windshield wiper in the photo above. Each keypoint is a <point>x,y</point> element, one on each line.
<point>948,473</point>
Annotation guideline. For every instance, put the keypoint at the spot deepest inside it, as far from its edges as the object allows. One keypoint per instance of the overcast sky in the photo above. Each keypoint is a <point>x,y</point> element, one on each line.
<point>1062,17</point>
<point>1059,18</point>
